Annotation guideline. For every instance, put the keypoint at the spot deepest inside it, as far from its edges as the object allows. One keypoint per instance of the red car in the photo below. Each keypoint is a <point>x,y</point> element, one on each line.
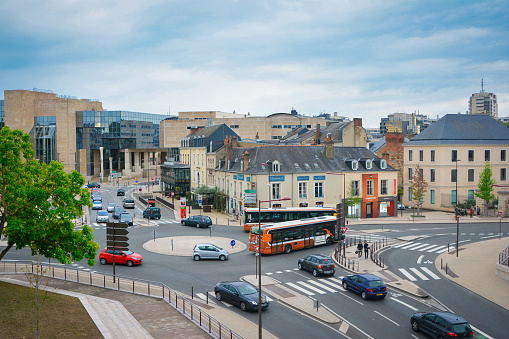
<point>129,258</point>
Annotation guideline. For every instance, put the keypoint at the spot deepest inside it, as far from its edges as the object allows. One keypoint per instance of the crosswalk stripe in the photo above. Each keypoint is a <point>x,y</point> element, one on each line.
<point>408,275</point>
<point>417,247</point>
<point>433,275</point>
<point>321,286</point>
<point>402,244</point>
<point>427,248</point>
<point>300,289</point>
<point>336,280</point>
<point>419,274</point>
<point>411,245</point>
<point>481,233</point>
<point>437,248</point>
<point>326,281</point>
<point>311,287</point>
<point>442,250</point>
<point>279,272</point>
<point>268,273</point>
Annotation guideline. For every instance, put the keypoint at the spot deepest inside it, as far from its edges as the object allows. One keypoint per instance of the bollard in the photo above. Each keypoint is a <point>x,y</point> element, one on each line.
<point>448,248</point>
<point>207,294</point>
<point>441,264</point>
<point>192,292</point>
<point>445,268</point>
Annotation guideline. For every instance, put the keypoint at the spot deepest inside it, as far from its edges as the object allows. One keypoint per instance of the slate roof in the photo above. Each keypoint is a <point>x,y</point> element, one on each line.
<point>302,159</point>
<point>463,129</point>
<point>377,145</point>
<point>299,135</point>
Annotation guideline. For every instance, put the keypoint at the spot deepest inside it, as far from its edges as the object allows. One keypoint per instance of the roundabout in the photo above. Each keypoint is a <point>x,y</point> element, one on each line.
<point>183,245</point>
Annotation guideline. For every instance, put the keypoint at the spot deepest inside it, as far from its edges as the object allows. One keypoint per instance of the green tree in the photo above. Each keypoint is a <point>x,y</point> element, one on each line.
<point>39,203</point>
<point>352,198</point>
<point>418,186</point>
<point>485,185</point>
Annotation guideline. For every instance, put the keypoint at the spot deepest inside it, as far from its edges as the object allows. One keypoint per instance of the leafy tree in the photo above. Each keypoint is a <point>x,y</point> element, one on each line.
<point>418,186</point>
<point>485,185</point>
<point>351,199</point>
<point>38,203</point>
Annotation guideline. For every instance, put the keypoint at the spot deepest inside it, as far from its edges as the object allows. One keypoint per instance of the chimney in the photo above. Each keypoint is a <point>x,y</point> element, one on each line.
<point>328,147</point>
<point>257,137</point>
<point>385,156</point>
<point>317,136</point>
<point>229,151</point>
<point>234,142</point>
<point>357,122</point>
<point>246,161</point>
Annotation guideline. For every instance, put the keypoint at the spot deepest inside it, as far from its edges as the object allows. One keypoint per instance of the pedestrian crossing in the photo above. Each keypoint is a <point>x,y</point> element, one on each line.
<point>152,222</point>
<point>421,247</point>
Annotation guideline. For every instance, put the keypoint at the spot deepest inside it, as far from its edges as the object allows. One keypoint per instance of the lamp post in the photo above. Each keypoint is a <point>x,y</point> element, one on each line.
<point>456,211</point>
<point>260,262</point>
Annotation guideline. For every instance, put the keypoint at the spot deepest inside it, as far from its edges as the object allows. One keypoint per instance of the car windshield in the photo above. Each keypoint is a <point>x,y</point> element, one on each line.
<point>461,328</point>
<point>216,247</point>
<point>102,213</point>
<point>376,283</point>
<point>128,252</point>
<point>111,204</point>
<point>247,289</point>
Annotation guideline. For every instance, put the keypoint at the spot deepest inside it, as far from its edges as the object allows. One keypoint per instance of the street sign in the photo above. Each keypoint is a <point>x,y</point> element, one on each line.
<point>344,229</point>
<point>250,197</point>
<point>172,194</point>
<point>199,199</point>
<point>500,214</point>
<point>116,237</point>
<point>117,231</point>
<point>119,245</point>
<point>116,225</point>
<point>140,189</point>
<point>257,249</point>
<point>232,243</point>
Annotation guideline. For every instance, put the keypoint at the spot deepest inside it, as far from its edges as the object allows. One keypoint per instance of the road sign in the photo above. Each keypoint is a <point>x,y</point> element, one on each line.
<point>344,229</point>
<point>199,199</point>
<point>500,214</point>
<point>172,194</point>
<point>116,237</point>
<point>232,243</point>
<point>119,245</point>
<point>116,225</point>
<point>257,249</point>
<point>117,231</point>
<point>140,190</point>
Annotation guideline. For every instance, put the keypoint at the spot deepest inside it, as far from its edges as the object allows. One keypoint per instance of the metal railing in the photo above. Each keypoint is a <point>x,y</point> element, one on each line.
<point>343,260</point>
<point>503,257</point>
<point>142,287</point>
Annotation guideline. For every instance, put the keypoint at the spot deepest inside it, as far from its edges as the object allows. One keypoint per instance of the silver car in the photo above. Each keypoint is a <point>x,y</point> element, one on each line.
<point>209,251</point>
<point>97,205</point>
<point>102,216</point>
<point>111,207</point>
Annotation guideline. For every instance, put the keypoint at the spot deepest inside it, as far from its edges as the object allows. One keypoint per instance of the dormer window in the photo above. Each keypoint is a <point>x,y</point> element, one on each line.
<point>383,164</point>
<point>355,165</point>
<point>275,166</point>
<point>369,164</point>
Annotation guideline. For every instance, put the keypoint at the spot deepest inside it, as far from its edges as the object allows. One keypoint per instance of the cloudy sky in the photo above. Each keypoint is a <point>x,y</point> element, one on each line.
<point>359,58</point>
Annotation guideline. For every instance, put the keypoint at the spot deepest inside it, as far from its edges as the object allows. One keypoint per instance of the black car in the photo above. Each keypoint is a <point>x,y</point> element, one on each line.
<point>367,285</point>
<point>120,191</point>
<point>318,264</point>
<point>441,325</point>
<point>197,220</point>
<point>241,294</point>
<point>93,185</point>
<point>118,211</point>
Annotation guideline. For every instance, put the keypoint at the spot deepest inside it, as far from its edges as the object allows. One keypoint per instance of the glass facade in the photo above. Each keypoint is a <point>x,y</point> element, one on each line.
<point>43,137</point>
<point>2,114</point>
<point>175,178</point>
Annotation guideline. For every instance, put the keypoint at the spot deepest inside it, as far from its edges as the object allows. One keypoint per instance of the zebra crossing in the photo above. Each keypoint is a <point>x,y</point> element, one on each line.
<point>421,247</point>
<point>212,299</point>
<point>98,226</point>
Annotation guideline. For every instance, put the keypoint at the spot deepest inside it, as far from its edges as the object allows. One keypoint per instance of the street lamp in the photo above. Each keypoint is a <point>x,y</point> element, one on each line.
<point>260,262</point>
<point>456,210</point>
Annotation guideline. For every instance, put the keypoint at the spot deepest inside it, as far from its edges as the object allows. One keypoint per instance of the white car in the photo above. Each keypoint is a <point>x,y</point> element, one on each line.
<point>401,206</point>
<point>97,205</point>
<point>102,216</point>
<point>111,207</point>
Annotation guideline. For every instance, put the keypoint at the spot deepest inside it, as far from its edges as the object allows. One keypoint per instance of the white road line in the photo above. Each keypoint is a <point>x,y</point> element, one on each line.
<point>289,270</point>
<point>478,330</point>
<point>427,248</point>
<point>408,275</point>
<point>463,234</point>
<point>402,244</point>
<point>336,280</point>
<point>411,245</point>
<point>473,233</point>
<point>442,250</point>
<point>321,286</point>
<point>433,275</point>
<point>437,248</point>
<point>459,242</point>
<point>417,247</point>
<point>490,233</point>
<point>311,287</point>
<point>419,260</point>
<point>481,233</point>
<point>419,274</point>
<point>300,289</point>
<point>326,281</point>
<point>491,236</point>
<point>279,272</point>
<point>404,303</point>
<point>269,273</point>
<point>392,321</point>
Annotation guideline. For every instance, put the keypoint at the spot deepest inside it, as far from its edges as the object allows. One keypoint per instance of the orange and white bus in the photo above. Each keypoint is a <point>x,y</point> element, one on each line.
<point>295,235</point>
<point>273,215</point>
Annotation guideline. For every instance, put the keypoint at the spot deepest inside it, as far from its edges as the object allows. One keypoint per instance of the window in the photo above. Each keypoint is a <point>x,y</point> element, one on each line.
<point>275,166</point>
<point>234,188</point>
<point>355,188</point>
<point>487,155</point>
<point>454,175</point>
<point>383,187</point>
<point>471,155</point>
<point>410,155</point>
<point>234,126</point>
<point>421,155</point>
<point>454,155</point>
<point>453,197</point>
<point>432,196</point>
<point>471,175</point>
<point>303,190</point>
<point>410,193</point>
<point>355,165</point>
<point>318,189</point>
<point>471,195</point>
<point>383,164</point>
<point>369,164</point>
<point>432,155</point>
<point>503,155</point>
<point>432,175</point>
<point>276,191</point>
<point>241,190</point>
<point>503,174</point>
<point>410,173</point>
<point>369,187</point>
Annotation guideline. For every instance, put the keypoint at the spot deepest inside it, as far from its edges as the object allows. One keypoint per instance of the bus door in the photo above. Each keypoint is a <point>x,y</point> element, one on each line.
<point>308,236</point>
<point>277,242</point>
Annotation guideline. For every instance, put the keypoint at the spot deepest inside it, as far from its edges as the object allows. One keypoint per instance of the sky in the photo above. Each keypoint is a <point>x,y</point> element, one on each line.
<point>361,59</point>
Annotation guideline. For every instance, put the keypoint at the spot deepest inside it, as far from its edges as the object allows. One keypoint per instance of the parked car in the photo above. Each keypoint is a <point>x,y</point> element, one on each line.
<point>152,213</point>
<point>197,220</point>
<point>93,185</point>
<point>126,219</point>
<point>118,211</point>
<point>111,207</point>
<point>96,196</point>
<point>128,258</point>
<point>241,294</point>
<point>120,191</point>
<point>97,205</point>
<point>318,264</point>
<point>401,206</point>
<point>441,325</point>
<point>367,285</point>
<point>128,203</point>
<point>102,216</point>
<point>209,251</point>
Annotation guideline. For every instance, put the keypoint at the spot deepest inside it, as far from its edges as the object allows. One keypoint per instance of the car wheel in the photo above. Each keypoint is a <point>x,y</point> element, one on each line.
<point>363,295</point>
<point>243,306</point>
<point>222,258</point>
<point>196,257</point>
<point>198,225</point>
<point>315,273</point>
<point>129,263</point>
<point>103,261</point>
<point>415,326</point>
<point>159,218</point>
<point>218,296</point>
<point>299,266</point>
<point>329,241</point>
<point>183,223</point>
<point>345,286</point>
<point>288,249</point>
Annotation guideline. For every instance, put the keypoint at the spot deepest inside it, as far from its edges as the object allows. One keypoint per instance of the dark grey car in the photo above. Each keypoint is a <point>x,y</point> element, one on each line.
<point>197,220</point>
<point>241,294</point>
<point>317,264</point>
<point>118,211</point>
<point>441,325</point>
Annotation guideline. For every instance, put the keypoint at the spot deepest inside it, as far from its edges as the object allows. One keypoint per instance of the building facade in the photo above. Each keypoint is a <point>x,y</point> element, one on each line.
<point>406,123</point>
<point>483,103</point>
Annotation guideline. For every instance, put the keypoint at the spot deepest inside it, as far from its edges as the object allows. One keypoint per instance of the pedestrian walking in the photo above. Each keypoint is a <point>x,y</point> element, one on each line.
<point>359,249</point>
<point>471,212</point>
<point>366,249</point>
<point>478,210</point>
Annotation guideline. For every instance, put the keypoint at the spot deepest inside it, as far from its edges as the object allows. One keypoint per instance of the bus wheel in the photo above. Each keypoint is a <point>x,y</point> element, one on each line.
<point>288,249</point>
<point>329,241</point>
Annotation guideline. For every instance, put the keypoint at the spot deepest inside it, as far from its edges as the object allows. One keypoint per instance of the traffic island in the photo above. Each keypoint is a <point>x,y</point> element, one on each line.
<point>184,245</point>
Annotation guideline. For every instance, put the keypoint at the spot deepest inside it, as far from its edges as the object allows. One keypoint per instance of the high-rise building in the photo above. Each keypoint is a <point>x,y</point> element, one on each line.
<point>483,103</point>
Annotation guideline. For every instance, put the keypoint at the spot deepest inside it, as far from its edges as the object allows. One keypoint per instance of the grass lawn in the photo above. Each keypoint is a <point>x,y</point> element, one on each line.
<point>60,316</point>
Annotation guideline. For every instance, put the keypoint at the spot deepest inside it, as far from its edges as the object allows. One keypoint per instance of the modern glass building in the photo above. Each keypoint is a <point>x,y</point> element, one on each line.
<point>2,114</point>
<point>115,131</point>
<point>175,178</point>
<point>44,138</point>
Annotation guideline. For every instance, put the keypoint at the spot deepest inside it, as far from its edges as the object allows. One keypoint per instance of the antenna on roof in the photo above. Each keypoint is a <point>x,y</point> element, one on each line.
<point>482,85</point>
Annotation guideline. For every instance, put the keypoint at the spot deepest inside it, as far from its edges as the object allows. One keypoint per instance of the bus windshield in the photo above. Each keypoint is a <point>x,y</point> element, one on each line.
<point>254,230</point>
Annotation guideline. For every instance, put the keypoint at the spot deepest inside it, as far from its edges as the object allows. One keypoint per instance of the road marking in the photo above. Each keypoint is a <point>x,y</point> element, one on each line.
<point>419,260</point>
<point>405,304</point>
<point>336,280</point>
<point>427,248</point>
<point>344,327</point>
<point>481,233</point>
<point>442,250</point>
<point>433,275</point>
<point>478,330</point>
<point>86,269</point>
<point>300,289</point>
<point>419,274</point>
<point>290,270</point>
<point>269,273</point>
<point>411,245</point>
<point>420,246</point>
<point>279,272</point>
<point>437,248</point>
<point>392,321</point>
<point>459,242</point>
<point>322,286</point>
<point>326,281</point>
<point>408,275</point>
<point>402,244</point>
<point>472,233</point>
<point>311,287</point>
<point>491,236</point>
